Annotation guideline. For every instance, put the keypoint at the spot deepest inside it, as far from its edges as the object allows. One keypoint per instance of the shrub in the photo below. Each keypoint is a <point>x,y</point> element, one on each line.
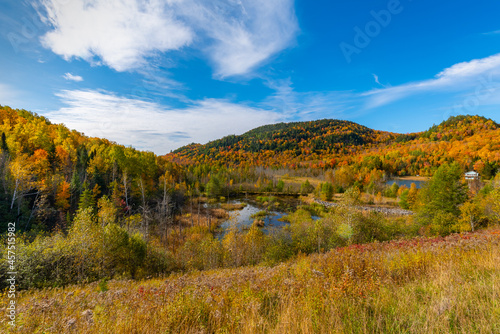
<point>280,246</point>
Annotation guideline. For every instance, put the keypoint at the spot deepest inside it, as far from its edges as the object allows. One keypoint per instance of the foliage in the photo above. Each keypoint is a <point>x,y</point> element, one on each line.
<point>423,285</point>
<point>306,188</point>
<point>327,191</point>
<point>472,141</point>
<point>441,198</point>
<point>92,209</point>
<point>403,200</point>
<point>87,253</point>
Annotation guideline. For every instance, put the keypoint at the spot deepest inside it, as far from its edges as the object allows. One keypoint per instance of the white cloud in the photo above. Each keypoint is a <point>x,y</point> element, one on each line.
<point>237,35</point>
<point>457,78</point>
<point>471,68</point>
<point>149,126</point>
<point>71,77</point>
<point>242,33</point>
<point>495,32</point>
<point>310,105</point>
<point>122,33</point>
<point>377,80</point>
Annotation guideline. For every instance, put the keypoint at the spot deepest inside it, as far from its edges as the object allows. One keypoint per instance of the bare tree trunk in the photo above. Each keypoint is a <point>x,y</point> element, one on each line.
<point>165,212</point>
<point>14,195</point>
<point>145,212</point>
<point>126,193</point>
<point>32,212</point>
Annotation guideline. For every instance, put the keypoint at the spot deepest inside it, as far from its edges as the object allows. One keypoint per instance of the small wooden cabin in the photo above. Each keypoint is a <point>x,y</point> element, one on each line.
<point>471,176</point>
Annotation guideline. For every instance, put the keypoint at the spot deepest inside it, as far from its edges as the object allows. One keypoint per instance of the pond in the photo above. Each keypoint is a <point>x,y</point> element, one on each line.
<point>405,182</point>
<point>243,218</point>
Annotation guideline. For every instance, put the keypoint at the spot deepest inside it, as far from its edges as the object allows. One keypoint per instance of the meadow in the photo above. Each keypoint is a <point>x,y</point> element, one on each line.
<point>421,285</point>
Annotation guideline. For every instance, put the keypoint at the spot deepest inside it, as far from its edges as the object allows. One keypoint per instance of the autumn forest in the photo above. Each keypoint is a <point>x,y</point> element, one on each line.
<point>92,215</point>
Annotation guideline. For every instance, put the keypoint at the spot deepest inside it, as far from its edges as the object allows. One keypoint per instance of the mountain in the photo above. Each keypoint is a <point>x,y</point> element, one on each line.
<point>298,136</point>
<point>460,127</point>
<point>331,143</point>
<point>297,141</point>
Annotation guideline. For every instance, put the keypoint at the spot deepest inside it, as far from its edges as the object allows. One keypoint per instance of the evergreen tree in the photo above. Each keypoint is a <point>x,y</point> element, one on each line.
<point>4,146</point>
<point>75,183</point>
<point>280,186</point>
<point>213,187</point>
<point>403,200</point>
<point>441,198</point>
<point>87,199</point>
<point>306,188</point>
<point>327,191</point>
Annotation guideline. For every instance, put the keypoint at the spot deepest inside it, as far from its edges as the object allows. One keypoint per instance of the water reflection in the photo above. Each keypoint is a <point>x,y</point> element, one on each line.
<point>407,183</point>
<point>243,219</point>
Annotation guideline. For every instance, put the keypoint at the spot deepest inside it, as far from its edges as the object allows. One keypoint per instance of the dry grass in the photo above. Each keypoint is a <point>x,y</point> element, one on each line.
<point>413,178</point>
<point>299,180</point>
<point>439,285</point>
<point>233,206</point>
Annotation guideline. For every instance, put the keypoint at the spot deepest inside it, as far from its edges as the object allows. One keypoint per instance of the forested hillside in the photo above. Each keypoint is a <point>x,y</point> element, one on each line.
<point>298,137</point>
<point>473,141</point>
<point>48,172</point>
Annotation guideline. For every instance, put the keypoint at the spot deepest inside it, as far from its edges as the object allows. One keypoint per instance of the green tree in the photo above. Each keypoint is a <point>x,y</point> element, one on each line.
<point>306,188</point>
<point>4,146</point>
<point>489,170</point>
<point>280,185</point>
<point>87,199</point>
<point>214,187</point>
<point>326,191</point>
<point>441,198</point>
<point>403,200</point>
<point>392,191</point>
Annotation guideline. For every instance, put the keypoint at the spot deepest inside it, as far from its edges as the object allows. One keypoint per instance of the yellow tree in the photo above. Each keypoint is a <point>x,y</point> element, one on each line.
<point>469,216</point>
<point>21,172</point>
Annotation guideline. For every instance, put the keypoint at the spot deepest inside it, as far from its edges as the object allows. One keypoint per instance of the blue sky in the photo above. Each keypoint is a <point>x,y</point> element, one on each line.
<point>157,75</point>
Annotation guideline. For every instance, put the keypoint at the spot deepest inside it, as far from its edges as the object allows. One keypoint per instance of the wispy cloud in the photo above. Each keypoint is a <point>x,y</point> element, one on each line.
<point>495,32</point>
<point>310,105</point>
<point>377,80</point>
<point>120,33</point>
<point>147,125</point>
<point>71,77</point>
<point>151,126</point>
<point>242,34</point>
<point>237,35</point>
<point>457,78</point>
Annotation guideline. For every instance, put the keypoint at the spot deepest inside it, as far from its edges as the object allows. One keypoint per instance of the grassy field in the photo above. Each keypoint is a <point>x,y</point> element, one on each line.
<point>296,180</point>
<point>437,285</point>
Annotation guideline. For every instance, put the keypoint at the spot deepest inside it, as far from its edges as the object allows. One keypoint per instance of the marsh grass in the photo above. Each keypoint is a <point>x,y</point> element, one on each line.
<point>436,285</point>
